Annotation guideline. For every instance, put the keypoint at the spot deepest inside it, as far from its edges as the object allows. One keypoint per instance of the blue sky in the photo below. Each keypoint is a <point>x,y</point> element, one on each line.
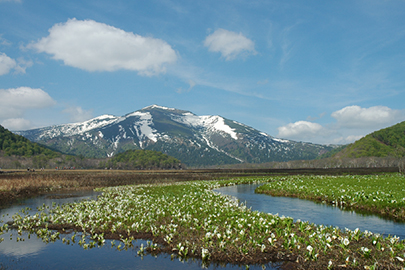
<point>314,71</point>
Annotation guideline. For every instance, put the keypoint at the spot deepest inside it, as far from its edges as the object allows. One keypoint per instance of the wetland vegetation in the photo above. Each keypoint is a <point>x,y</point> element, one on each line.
<point>188,219</point>
<point>15,185</point>
<point>381,194</point>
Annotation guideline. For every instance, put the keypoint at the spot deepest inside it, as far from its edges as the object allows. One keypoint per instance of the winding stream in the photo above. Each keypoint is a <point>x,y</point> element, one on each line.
<point>34,254</point>
<point>313,212</point>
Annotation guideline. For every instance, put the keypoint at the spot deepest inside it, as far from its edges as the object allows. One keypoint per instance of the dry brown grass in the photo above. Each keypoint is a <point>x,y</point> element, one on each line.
<point>20,184</point>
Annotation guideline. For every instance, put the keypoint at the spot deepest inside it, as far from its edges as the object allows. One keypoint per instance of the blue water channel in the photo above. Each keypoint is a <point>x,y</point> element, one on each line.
<point>313,212</point>
<point>32,253</point>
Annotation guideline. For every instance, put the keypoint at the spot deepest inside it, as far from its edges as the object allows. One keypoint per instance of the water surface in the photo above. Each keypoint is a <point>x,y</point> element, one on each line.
<point>313,212</point>
<point>34,254</point>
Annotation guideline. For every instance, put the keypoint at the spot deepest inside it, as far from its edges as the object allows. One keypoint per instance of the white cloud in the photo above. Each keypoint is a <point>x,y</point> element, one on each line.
<point>6,64</point>
<point>31,246</point>
<point>4,41</point>
<point>181,90</point>
<point>263,82</point>
<point>22,65</point>
<point>347,139</point>
<point>77,114</point>
<point>16,124</point>
<point>95,46</point>
<point>353,123</point>
<point>14,102</point>
<point>229,44</point>
<point>374,117</point>
<point>300,130</point>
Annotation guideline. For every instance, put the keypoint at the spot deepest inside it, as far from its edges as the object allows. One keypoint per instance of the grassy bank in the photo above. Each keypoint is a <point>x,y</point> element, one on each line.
<point>190,220</point>
<point>381,194</point>
<point>15,185</point>
<point>22,184</point>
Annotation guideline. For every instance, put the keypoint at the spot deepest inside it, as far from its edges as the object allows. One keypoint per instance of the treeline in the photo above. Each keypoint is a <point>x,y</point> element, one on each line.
<point>141,159</point>
<point>12,144</point>
<point>363,162</point>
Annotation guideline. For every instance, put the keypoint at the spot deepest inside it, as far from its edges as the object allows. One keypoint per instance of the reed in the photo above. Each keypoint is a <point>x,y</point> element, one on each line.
<point>23,184</point>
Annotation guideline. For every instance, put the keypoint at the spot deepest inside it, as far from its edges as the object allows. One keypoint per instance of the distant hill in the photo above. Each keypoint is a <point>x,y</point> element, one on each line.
<point>12,144</point>
<point>195,140</point>
<point>388,142</point>
<point>142,159</point>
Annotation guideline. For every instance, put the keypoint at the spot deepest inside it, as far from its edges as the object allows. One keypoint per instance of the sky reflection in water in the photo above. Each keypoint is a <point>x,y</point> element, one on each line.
<point>34,254</point>
<point>313,212</point>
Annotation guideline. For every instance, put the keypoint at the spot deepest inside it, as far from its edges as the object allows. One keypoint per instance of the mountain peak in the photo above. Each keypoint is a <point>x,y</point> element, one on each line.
<point>165,109</point>
<point>154,106</point>
<point>196,140</point>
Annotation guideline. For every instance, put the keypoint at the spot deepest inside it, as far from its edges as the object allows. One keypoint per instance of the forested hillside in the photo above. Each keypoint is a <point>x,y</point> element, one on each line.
<point>12,144</point>
<point>388,142</point>
<point>142,159</point>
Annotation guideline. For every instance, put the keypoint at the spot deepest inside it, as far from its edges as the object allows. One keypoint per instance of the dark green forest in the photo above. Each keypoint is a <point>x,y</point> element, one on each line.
<point>12,144</point>
<point>142,159</point>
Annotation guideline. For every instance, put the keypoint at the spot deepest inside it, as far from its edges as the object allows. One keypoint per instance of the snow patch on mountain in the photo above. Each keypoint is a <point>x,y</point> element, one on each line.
<point>78,128</point>
<point>220,150</point>
<point>217,123</point>
<point>210,123</point>
<point>143,127</point>
<point>281,140</point>
<point>158,107</point>
<point>201,139</point>
<point>188,119</point>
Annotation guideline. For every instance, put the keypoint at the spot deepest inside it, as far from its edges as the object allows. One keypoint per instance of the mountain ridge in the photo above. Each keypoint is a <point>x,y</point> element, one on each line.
<point>195,140</point>
<point>387,142</point>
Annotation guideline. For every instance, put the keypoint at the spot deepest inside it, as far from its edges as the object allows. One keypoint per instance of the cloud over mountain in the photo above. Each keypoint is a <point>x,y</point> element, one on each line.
<point>352,123</point>
<point>15,102</point>
<point>373,117</point>
<point>95,46</point>
<point>78,114</point>
<point>6,64</point>
<point>299,130</point>
<point>16,123</point>
<point>229,44</point>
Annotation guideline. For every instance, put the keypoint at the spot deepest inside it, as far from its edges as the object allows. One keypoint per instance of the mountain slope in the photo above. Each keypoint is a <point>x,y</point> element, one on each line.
<point>388,142</point>
<point>12,144</point>
<point>195,140</point>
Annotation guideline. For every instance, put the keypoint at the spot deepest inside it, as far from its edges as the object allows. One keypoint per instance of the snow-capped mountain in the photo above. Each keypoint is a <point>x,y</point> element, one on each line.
<point>195,140</point>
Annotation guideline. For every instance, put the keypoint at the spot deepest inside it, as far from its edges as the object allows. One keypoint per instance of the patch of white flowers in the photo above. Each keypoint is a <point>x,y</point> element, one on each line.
<point>194,220</point>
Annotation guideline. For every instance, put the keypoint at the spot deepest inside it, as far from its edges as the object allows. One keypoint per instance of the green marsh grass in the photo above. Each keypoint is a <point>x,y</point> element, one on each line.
<point>382,194</point>
<point>189,219</point>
